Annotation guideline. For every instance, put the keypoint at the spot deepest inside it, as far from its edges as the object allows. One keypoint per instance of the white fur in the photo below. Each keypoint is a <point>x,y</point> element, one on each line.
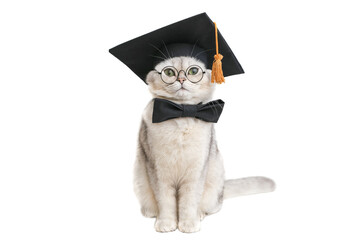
<point>179,174</point>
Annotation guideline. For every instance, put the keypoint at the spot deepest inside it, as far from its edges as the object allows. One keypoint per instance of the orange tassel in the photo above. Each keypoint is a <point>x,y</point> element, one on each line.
<point>216,72</point>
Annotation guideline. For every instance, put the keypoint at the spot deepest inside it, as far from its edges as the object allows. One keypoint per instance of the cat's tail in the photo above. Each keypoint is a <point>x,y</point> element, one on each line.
<point>248,185</point>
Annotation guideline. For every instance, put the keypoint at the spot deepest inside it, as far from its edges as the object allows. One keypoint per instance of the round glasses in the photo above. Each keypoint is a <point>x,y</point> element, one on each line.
<point>170,74</point>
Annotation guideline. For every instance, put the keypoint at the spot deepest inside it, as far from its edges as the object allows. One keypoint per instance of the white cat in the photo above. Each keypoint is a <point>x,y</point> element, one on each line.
<point>179,173</point>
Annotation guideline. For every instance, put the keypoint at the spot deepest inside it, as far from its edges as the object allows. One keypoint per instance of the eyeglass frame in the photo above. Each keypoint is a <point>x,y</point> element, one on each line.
<point>178,72</point>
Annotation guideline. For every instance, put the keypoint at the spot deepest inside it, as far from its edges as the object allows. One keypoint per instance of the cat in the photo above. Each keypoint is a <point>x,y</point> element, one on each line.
<point>179,172</point>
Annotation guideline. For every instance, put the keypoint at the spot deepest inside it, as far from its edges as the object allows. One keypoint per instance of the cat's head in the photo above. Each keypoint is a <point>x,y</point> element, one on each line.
<point>181,79</point>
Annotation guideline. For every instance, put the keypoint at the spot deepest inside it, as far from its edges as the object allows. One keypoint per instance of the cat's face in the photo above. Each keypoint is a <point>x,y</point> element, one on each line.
<point>181,89</point>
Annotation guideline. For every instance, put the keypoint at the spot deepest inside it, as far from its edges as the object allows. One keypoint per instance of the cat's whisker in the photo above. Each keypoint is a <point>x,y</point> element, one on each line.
<point>212,108</point>
<point>203,52</point>
<point>219,104</point>
<point>217,113</point>
<point>158,50</point>
<point>172,86</point>
<point>193,48</point>
<point>166,48</point>
<point>157,57</point>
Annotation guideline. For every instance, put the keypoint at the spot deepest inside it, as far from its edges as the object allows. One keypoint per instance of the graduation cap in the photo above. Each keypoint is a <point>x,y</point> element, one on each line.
<point>196,37</point>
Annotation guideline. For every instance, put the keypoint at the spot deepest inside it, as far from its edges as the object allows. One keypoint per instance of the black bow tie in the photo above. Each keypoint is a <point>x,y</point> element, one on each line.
<point>165,110</point>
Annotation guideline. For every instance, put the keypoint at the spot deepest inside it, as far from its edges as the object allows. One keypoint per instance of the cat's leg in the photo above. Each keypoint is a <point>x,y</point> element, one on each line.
<point>189,195</point>
<point>196,196</point>
<point>212,197</point>
<point>142,187</point>
<point>166,220</point>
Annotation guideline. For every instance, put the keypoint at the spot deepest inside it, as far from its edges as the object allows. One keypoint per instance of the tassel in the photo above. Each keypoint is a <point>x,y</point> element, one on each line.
<point>216,72</point>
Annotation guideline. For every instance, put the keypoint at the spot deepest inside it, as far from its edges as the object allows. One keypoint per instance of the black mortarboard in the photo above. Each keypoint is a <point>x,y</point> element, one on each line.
<point>194,36</point>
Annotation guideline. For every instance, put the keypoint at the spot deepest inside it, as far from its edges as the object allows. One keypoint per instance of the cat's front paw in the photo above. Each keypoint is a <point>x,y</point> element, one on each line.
<point>148,212</point>
<point>189,226</point>
<point>165,225</point>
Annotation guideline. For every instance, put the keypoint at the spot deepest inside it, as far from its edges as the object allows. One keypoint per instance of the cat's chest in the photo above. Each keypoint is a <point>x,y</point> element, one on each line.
<point>179,143</point>
<point>181,130</point>
<point>184,134</point>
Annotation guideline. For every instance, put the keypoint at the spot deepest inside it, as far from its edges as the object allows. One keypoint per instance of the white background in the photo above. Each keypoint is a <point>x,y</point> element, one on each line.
<point>70,112</point>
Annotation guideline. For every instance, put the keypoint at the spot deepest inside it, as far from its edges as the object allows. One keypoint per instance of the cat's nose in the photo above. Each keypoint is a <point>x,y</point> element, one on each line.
<point>181,77</point>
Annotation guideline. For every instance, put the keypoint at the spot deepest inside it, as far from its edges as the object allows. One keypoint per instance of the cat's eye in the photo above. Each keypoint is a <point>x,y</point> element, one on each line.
<point>193,71</point>
<point>169,72</point>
